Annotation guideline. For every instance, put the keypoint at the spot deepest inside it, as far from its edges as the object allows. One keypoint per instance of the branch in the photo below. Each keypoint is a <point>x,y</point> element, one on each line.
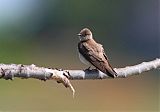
<point>9,71</point>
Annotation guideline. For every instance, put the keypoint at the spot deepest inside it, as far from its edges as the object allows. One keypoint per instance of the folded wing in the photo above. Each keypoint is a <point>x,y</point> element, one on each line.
<point>97,57</point>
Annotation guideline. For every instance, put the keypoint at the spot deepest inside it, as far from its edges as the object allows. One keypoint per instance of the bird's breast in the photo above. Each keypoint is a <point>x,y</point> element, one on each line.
<point>83,60</point>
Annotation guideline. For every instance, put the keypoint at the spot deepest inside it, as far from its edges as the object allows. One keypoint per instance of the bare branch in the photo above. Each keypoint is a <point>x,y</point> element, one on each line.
<point>9,71</point>
<point>122,72</point>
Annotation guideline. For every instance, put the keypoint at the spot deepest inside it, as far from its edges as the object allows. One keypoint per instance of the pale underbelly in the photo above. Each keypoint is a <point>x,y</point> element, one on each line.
<point>83,60</point>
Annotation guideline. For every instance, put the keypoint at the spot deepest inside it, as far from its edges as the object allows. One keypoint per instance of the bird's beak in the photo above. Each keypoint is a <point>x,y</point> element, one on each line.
<point>79,34</point>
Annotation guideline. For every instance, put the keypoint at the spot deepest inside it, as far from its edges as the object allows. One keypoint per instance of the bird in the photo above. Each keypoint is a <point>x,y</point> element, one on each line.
<point>92,53</point>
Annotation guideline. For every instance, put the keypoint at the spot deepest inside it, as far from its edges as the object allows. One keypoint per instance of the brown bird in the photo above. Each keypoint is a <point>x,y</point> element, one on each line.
<point>92,53</point>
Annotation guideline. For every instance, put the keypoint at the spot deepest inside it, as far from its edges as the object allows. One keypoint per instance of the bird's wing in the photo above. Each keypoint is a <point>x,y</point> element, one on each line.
<point>96,56</point>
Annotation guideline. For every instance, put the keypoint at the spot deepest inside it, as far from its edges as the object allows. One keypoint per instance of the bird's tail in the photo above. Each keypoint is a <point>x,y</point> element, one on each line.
<point>111,73</point>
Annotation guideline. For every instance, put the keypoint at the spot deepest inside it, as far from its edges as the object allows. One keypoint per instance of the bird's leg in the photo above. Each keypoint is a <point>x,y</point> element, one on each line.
<point>89,68</point>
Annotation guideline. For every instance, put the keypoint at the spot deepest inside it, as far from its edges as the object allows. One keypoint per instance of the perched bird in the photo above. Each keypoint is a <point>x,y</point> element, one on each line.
<point>92,53</point>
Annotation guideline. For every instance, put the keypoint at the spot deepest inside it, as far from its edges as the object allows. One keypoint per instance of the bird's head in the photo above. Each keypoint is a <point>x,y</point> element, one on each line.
<point>85,34</point>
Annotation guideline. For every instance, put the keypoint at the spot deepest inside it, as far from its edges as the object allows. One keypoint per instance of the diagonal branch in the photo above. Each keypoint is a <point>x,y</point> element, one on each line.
<point>9,71</point>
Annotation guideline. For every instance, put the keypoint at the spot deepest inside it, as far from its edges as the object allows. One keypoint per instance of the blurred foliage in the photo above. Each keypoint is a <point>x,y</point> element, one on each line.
<point>43,32</point>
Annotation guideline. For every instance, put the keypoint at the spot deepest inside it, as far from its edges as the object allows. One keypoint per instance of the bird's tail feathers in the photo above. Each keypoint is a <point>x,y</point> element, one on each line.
<point>111,73</point>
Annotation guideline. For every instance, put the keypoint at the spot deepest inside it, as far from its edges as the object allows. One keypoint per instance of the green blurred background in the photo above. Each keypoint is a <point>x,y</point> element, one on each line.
<point>43,32</point>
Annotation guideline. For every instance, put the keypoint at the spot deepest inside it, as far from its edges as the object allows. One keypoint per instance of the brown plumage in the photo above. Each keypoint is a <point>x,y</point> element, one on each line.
<point>93,52</point>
